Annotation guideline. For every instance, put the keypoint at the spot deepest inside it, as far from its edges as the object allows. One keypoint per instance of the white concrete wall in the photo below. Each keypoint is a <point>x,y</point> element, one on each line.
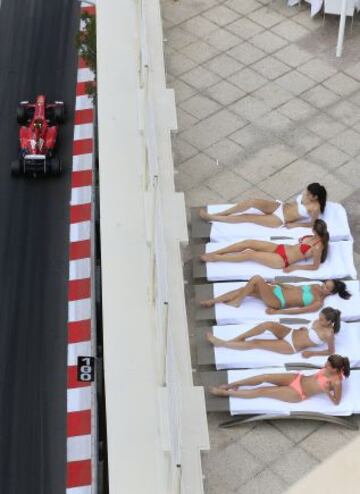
<point>155,417</point>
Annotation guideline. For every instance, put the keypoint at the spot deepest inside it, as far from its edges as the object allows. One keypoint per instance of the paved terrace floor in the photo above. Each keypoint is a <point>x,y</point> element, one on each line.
<point>259,89</point>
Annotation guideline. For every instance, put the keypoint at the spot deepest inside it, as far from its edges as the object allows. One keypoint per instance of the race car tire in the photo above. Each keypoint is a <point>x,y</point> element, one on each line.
<point>21,114</point>
<point>55,167</point>
<point>59,114</point>
<point>16,168</point>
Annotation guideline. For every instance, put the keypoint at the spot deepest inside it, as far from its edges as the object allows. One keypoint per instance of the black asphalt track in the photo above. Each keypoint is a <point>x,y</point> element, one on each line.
<point>37,55</point>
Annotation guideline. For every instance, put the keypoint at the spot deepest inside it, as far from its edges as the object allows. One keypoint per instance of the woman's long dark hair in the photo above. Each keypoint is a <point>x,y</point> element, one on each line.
<point>318,191</point>
<point>341,364</point>
<point>340,288</point>
<point>333,316</point>
<point>320,228</point>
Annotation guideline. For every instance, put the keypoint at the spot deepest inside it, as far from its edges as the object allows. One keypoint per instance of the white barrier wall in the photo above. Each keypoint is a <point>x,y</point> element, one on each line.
<point>155,416</point>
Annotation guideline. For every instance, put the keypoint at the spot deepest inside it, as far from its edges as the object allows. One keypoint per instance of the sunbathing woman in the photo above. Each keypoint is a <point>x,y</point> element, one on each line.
<point>288,340</point>
<point>278,256</point>
<point>283,298</point>
<point>303,212</point>
<point>292,387</point>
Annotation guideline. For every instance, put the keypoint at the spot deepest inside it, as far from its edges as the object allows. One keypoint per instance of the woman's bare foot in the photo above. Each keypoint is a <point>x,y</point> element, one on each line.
<point>217,391</point>
<point>213,340</point>
<point>204,215</point>
<point>207,303</point>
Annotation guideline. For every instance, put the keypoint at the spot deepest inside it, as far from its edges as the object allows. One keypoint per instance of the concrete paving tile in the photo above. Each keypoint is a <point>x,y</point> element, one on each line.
<point>295,82</point>
<point>342,84</point>
<point>323,442</point>
<point>199,26</point>
<point>245,28</point>
<point>175,13</point>
<point>293,56</point>
<point>220,437</point>
<point>320,97</point>
<point>337,189</point>
<point>303,18</point>
<point>178,64</point>
<point>222,39</point>
<point>225,151</point>
<point>275,123</point>
<point>199,51</point>
<point>268,41</point>
<point>223,65</point>
<point>247,80</point>
<point>200,106</point>
<point>182,90</point>
<point>296,109</point>
<point>348,141</point>
<point>221,15</point>
<point>265,481</point>
<point>290,30</point>
<point>301,140</point>
<point>199,167</point>
<point>317,69</point>
<point>329,156</point>
<point>294,177</point>
<point>353,71</point>
<point>185,120</point>
<point>227,183</point>
<point>251,193</point>
<point>200,78</point>
<point>251,136</point>
<point>294,465</point>
<point>266,443</point>
<point>246,53</point>
<point>350,172</point>
<point>266,17</point>
<point>178,38</point>
<point>352,206</point>
<point>345,111</point>
<point>265,162</point>
<point>224,92</point>
<point>325,126</point>
<point>201,195</point>
<point>243,7</point>
<point>273,95</point>
<point>250,108</point>
<point>182,150</point>
<point>296,430</point>
<point>183,182</point>
<point>213,129</point>
<point>271,68</point>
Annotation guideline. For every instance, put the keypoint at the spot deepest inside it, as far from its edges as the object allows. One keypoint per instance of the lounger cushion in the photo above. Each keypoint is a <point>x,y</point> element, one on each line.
<point>347,342</point>
<point>334,215</point>
<point>350,402</point>
<point>252,308</point>
<point>339,264</point>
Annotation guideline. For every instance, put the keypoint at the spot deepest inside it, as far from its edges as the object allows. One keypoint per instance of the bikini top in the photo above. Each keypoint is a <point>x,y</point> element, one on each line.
<point>304,248</point>
<point>303,212</point>
<point>324,381</point>
<point>314,337</point>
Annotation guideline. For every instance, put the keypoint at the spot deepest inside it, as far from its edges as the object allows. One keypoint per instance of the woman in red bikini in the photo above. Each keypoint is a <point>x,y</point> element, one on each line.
<point>292,387</point>
<point>278,256</point>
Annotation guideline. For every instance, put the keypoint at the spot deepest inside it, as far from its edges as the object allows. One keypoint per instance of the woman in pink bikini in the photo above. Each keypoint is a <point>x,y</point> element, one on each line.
<point>301,213</point>
<point>287,340</point>
<point>278,256</point>
<point>292,387</point>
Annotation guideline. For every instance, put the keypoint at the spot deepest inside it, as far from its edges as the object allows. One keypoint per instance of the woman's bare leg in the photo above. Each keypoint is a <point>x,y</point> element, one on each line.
<point>256,245</point>
<point>266,207</point>
<point>278,379</point>
<point>277,346</point>
<point>278,330</point>
<point>269,259</point>
<point>281,393</point>
<point>270,220</point>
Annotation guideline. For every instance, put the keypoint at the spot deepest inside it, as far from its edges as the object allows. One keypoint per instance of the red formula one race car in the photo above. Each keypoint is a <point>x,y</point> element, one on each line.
<point>38,134</point>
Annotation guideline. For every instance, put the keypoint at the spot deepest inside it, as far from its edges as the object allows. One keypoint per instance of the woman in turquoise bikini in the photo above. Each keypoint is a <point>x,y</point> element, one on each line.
<point>283,298</point>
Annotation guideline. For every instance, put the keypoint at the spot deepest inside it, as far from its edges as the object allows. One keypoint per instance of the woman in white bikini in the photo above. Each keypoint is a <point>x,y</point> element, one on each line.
<point>278,256</point>
<point>288,340</point>
<point>302,213</point>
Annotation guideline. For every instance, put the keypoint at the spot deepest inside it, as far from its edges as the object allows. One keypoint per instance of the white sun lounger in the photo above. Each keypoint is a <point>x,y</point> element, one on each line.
<point>252,308</point>
<point>334,215</point>
<point>347,342</point>
<point>339,264</point>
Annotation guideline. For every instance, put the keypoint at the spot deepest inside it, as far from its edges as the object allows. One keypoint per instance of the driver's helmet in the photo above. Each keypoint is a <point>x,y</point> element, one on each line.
<point>38,124</point>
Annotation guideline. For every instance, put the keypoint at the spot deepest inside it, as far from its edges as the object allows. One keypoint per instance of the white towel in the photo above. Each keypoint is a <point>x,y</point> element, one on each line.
<point>252,308</point>
<point>334,215</point>
<point>350,401</point>
<point>347,342</point>
<point>339,264</point>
